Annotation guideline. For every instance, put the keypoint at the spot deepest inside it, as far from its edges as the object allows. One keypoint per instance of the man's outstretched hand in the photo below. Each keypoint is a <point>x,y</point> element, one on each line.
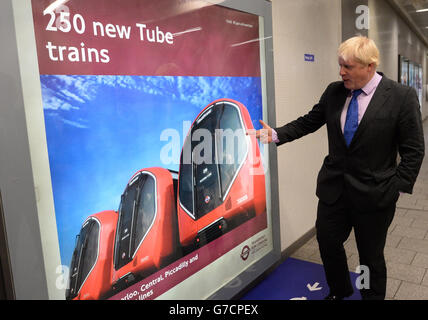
<point>264,134</point>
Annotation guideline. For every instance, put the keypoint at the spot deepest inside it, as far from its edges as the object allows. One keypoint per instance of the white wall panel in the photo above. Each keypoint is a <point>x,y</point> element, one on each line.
<point>302,27</point>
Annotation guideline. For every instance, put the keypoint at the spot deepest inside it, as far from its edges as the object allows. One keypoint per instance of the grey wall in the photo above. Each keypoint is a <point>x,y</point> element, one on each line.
<point>16,179</point>
<point>394,37</point>
<point>302,27</point>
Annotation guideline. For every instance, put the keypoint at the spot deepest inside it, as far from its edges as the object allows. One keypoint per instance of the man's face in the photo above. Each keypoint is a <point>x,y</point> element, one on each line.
<point>354,74</point>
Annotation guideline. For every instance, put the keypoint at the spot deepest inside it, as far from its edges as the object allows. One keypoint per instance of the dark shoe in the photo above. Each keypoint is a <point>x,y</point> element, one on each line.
<point>334,297</point>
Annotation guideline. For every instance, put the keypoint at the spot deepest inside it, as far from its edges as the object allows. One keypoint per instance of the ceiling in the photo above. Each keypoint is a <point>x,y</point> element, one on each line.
<point>417,20</point>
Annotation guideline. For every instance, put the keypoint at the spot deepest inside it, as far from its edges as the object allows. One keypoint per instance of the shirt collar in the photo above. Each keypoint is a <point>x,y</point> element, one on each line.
<point>372,84</point>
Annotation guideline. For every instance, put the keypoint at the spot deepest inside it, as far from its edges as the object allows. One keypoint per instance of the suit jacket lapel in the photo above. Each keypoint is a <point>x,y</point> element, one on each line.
<point>379,98</point>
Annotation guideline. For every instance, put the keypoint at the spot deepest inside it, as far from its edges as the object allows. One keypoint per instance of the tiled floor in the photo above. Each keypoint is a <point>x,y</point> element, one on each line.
<point>406,250</point>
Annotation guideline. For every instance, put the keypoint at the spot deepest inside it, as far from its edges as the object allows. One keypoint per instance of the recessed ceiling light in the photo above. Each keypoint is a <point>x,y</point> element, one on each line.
<point>422,10</point>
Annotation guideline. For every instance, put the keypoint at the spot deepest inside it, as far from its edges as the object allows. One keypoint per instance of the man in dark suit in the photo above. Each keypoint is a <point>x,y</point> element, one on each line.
<point>370,120</point>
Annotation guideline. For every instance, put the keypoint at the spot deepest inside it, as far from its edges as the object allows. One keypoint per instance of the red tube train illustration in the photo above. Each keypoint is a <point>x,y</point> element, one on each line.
<point>220,184</point>
<point>91,264</point>
<point>221,181</point>
<point>146,234</point>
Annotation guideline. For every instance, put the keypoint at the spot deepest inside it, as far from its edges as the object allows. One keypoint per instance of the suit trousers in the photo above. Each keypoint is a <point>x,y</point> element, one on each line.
<point>333,226</point>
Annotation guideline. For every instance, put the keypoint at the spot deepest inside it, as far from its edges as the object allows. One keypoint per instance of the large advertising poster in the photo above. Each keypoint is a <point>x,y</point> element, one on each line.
<point>146,107</point>
<point>410,73</point>
<point>403,70</point>
<point>419,81</point>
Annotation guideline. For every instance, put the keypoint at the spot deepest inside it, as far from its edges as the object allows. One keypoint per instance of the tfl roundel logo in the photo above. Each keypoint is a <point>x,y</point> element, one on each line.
<point>207,199</point>
<point>245,253</point>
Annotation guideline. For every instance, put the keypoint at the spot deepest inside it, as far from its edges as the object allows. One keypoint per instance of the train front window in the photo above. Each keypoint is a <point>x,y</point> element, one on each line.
<point>146,210</point>
<point>74,266</point>
<point>205,170</point>
<point>84,256</point>
<point>232,146</point>
<point>123,236</point>
<point>216,150</point>
<point>90,250</point>
<point>186,177</point>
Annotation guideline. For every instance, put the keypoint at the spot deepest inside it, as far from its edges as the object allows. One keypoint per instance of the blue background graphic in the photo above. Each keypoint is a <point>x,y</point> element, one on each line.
<point>102,129</point>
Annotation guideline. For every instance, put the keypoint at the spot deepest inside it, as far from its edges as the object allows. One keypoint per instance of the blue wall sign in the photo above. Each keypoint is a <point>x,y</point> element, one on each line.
<point>309,57</point>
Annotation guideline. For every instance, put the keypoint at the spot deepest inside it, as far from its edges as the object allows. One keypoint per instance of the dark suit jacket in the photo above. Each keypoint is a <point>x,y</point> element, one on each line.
<point>367,171</point>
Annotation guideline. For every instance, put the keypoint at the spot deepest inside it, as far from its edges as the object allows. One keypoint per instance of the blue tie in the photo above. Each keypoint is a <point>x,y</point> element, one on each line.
<point>351,123</point>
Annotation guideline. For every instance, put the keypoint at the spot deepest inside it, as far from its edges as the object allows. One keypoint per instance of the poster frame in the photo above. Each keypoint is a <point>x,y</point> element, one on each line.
<point>30,250</point>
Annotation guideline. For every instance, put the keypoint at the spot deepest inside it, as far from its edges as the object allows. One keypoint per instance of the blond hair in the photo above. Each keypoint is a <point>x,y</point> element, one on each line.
<point>361,49</point>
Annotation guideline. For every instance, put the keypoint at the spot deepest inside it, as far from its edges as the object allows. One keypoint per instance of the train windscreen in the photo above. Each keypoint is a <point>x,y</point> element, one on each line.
<point>232,144</point>
<point>205,170</point>
<point>217,149</point>
<point>145,211</point>
<point>84,256</point>
<point>186,179</point>
<point>136,214</point>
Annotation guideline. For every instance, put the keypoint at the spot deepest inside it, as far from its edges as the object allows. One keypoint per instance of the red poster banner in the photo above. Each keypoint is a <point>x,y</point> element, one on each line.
<point>143,37</point>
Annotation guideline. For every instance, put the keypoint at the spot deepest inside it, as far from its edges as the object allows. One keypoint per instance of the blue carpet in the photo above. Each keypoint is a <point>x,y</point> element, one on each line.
<point>291,280</point>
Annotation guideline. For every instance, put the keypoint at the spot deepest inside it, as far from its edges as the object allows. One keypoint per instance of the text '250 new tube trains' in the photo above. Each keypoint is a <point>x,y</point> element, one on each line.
<point>221,181</point>
<point>220,185</point>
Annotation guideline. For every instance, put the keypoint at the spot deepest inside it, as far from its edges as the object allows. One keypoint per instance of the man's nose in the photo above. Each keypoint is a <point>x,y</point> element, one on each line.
<point>342,71</point>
